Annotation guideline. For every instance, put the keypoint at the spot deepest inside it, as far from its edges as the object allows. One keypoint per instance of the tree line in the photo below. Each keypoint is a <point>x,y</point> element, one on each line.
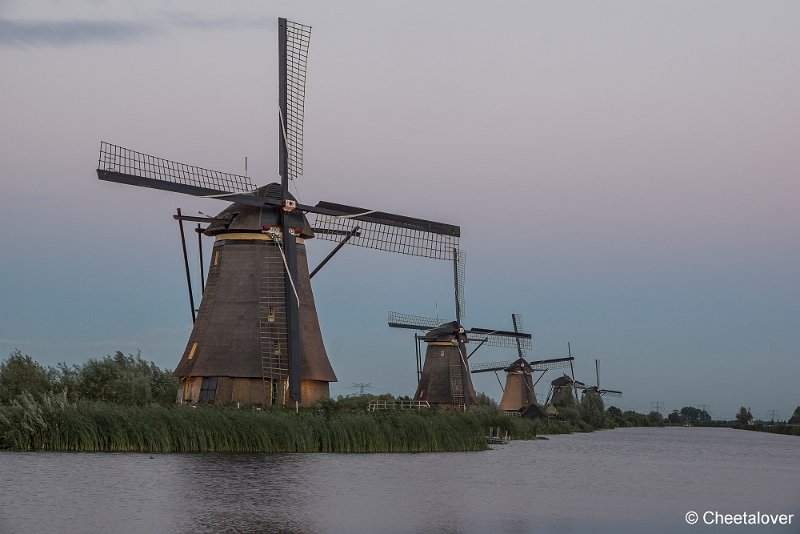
<point>119,379</point>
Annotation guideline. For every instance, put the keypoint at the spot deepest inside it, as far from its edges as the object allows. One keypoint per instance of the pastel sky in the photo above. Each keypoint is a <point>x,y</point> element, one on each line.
<point>625,175</point>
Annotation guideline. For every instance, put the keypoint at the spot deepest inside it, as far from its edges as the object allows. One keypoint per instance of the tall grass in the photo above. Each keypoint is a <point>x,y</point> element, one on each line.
<point>53,423</point>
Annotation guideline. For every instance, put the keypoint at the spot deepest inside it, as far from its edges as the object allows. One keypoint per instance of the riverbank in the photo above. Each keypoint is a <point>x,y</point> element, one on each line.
<point>51,423</point>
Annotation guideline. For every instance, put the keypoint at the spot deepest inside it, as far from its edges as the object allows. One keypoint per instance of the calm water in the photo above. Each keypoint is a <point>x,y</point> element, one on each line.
<point>626,480</point>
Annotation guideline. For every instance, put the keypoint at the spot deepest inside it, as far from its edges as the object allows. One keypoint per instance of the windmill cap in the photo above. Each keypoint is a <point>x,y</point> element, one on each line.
<point>565,380</point>
<point>446,332</point>
<point>242,218</point>
<point>520,364</point>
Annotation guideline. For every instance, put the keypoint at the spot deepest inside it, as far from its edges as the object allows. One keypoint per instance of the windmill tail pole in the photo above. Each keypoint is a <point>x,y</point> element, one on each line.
<point>186,265</point>
<point>200,250</point>
<point>342,243</point>
<point>419,358</point>
<point>455,281</point>
<point>462,352</point>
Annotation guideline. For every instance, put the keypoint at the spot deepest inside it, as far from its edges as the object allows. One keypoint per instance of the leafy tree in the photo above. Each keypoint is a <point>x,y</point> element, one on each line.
<point>486,400</point>
<point>795,419</point>
<point>592,410</point>
<point>675,417</point>
<point>614,417</point>
<point>655,418</point>
<point>695,415</point>
<point>120,379</point>
<point>19,373</point>
<point>744,416</point>
<point>690,414</point>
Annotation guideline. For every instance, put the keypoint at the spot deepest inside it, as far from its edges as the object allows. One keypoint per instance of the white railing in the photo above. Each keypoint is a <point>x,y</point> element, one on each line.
<point>376,405</point>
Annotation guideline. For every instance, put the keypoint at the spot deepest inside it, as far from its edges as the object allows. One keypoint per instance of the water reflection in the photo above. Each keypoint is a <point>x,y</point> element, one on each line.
<point>625,480</point>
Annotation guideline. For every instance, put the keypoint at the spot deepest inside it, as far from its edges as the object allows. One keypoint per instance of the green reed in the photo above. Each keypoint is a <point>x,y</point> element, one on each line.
<point>53,423</point>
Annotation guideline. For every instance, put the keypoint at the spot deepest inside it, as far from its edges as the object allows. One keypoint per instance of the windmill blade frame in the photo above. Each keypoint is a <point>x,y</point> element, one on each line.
<point>552,363</point>
<point>123,165</point>
<point>486,367</point>
<point>500,338</point>
<point>386,231</point>
<point>414,322</point>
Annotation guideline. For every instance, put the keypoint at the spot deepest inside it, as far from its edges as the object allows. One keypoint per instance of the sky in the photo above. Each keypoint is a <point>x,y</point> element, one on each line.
<point>624,174</point>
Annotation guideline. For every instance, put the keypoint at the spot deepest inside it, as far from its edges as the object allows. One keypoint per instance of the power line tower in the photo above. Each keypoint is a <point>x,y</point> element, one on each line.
<point>657,406</point>
<point>361,387</point>
<point>704,406</point>
<point>773,414</point>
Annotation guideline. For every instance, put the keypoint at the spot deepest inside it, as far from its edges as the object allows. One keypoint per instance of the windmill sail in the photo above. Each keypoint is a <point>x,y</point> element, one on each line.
<point>539,365</point>
<point>414,322</point>
<point>126,166</point>
<point>500,338</point>
<point>298,38</point>
<point>387,231</point>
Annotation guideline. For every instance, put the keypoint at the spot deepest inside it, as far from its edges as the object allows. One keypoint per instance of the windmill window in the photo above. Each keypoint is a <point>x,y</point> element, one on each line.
<point>216,257</point>
<point>277,351</point>
<point>271,316</point>
<point>192,351</point>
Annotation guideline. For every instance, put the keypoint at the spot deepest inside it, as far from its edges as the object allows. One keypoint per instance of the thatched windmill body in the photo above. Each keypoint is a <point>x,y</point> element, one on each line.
<point>562,391</point>
<point>444,380</point>
<point>256,338</point>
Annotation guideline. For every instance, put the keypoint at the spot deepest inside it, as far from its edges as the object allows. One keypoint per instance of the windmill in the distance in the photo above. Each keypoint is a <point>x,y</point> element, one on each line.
<point>595,390</point>
<point>563,391</point>
<point>256,339</point>
<point>444,379</point>
<point>519,394</point>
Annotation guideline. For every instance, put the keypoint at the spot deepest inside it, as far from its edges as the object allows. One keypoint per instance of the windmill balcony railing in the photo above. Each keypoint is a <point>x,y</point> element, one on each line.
<point>376,405</point>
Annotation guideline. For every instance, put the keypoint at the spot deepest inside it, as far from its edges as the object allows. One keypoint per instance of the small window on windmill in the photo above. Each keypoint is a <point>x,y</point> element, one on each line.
<point>192,351</point>
<point>441,353</point>
<point>271,316</point>
<point>208,390</point>
<point>277,351</point>
<point>216,258</point>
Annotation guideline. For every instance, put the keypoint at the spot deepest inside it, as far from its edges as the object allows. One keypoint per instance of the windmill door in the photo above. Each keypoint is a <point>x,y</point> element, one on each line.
<point>208,390</point>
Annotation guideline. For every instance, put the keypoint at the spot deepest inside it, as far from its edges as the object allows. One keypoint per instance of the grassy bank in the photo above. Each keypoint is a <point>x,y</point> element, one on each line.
<point>55,424</point>
<point>773,428</point>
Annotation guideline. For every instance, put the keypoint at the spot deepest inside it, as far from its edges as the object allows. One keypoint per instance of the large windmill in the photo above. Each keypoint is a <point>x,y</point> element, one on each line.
<point>445,378</point>
<point>256,338</point>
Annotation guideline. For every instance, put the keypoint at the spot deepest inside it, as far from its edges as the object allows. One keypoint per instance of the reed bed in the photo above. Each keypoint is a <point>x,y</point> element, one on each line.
<point>52,423</point>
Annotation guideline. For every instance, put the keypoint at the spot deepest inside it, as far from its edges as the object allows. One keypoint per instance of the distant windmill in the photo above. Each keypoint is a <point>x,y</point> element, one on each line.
<point>444,379</point>
<point>562,391</point>
<point>519,394</point>
<point>595,390</point>
<point>256,338</point>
